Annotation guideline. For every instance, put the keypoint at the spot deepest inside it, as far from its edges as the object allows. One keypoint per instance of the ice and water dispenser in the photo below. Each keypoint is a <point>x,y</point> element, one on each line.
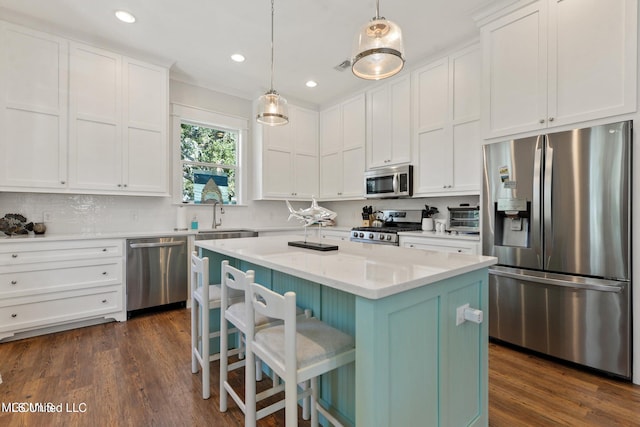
<point>512,218</point>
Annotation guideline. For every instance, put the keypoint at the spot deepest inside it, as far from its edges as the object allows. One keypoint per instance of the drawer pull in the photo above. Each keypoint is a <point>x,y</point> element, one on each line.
<point>14,282</point>
<point>104,301</point>
<point>104,250</point>
<point>14,255</point>
<point>104,273</point>
<point>14,315</point>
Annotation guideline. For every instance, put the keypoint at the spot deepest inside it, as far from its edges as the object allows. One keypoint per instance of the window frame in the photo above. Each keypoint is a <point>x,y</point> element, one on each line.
<point>197,116</point>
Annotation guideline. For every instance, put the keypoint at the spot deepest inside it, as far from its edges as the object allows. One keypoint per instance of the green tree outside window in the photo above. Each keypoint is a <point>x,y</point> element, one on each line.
<point>208,152</point>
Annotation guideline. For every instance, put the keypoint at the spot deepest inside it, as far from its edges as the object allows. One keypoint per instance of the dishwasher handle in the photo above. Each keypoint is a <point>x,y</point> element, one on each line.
<point>155,245</point>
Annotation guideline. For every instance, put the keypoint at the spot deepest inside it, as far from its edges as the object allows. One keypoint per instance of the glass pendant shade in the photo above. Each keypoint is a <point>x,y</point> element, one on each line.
<point>272,109</point>
<point>377,50</point>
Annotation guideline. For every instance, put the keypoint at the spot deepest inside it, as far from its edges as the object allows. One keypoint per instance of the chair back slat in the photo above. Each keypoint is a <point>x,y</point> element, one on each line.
<point>199,271</point>
<point>234,278</point>
<point>269,303</point>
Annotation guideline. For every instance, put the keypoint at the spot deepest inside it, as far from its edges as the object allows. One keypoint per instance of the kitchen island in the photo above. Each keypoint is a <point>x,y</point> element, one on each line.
<point>414,365</point>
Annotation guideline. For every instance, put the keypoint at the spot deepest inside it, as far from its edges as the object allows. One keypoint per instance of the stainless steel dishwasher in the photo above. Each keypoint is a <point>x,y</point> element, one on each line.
<point>157,272</point>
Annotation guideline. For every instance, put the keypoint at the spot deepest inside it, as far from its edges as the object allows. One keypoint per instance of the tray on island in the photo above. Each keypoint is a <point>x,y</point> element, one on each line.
<point>313,245</point>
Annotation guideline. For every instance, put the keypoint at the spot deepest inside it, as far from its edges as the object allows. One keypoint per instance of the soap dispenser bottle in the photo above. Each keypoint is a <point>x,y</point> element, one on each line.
<point>194,223</point>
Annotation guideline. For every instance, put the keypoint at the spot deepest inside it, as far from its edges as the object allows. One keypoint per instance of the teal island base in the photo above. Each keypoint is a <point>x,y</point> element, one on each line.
<point>414,365</point>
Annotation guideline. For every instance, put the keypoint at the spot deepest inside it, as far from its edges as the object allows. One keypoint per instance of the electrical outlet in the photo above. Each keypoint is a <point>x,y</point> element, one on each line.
<point>46,216</point>
<point>460,314</point>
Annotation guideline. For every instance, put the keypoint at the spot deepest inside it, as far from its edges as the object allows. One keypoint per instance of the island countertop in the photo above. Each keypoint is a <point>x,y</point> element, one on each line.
<point>366,270</point>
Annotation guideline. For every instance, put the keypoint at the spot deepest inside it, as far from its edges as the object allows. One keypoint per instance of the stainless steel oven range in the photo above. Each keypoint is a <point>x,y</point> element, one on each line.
<point>393,222</point>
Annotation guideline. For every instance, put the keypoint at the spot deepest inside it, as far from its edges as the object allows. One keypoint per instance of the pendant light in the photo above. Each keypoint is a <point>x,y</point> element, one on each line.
<point>272,108</point>
<point>377,49</point>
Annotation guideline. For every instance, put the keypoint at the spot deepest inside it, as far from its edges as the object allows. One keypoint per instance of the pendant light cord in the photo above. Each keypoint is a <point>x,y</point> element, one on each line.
<point>272,68</point>
<point>377,10</point>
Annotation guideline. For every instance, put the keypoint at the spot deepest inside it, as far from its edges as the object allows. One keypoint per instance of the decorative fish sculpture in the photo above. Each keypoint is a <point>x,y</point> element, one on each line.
<point>312,215</point>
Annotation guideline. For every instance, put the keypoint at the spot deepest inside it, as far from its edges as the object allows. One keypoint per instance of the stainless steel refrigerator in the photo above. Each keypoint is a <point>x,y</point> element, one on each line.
<point>556,213</point>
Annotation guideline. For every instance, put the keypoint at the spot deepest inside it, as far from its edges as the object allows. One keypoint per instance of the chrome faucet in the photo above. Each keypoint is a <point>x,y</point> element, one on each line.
<point>215,222</point>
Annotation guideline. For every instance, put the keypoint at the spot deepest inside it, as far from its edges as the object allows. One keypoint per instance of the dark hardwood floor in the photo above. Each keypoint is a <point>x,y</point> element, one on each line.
<point>137,373</point>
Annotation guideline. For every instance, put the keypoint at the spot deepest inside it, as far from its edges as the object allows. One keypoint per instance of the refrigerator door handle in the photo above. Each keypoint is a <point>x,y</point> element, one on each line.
<point>536,210</point>
<point>548,223</point>
<point>574,282</point>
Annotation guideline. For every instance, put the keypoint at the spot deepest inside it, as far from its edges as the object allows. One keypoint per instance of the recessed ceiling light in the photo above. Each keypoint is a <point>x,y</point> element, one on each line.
<point>125,16</point>
<point>311,83</point>
<point>237,57</point>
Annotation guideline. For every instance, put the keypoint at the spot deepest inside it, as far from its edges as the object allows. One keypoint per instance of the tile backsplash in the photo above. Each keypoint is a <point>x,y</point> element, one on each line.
<point>77,213</point>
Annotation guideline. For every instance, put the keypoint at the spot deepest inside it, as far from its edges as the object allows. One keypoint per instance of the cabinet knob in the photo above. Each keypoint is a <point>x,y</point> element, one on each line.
<point>104,273</point>
<point>551,119</point>
<point>104,250</point>
<point>14,255</point>
<point>63,182</point>
<point>104,301</point>
<point>14,282</point>
<point>14,315</point>
<point>541,121</point>
<point>125,186</point>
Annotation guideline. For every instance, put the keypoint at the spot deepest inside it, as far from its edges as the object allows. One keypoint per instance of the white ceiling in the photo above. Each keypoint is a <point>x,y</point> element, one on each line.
<point>197,37</point>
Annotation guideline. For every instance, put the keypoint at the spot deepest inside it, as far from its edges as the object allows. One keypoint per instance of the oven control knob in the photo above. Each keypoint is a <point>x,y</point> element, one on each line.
<point>361,235</point>
<point>389,237</point>
<point>381,237</point>
<point>371,235</point>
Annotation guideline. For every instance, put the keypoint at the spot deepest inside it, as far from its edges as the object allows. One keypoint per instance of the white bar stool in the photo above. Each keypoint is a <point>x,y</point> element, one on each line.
<point>297,350</point>
<point>205,297</point>
<point>236,280</point>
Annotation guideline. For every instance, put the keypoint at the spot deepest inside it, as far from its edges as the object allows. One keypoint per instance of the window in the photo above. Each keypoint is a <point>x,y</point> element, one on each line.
<point>209,157</point>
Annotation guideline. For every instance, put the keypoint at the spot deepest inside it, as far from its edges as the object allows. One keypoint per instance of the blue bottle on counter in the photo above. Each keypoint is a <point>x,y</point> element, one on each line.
<point>194,223</point>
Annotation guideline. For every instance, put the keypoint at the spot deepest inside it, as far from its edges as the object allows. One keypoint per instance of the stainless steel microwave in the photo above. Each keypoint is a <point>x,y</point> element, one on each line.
<point>389,182</point>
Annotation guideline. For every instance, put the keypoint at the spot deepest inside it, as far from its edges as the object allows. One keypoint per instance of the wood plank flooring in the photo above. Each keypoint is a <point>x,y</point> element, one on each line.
<point>526,390</point>
<point>138,373</point>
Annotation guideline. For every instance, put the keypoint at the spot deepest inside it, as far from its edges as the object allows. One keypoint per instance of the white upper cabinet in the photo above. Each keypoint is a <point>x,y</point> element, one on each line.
<point>118,133</point>
<point>33,115</point>
<point>145,160</point>
<point>554,63</point>
<point>287,157</point>
<point>88,120</point>
<point>447,144</point>
<point>342,148</point>
<point>389,123</point>
<point>95,143</point>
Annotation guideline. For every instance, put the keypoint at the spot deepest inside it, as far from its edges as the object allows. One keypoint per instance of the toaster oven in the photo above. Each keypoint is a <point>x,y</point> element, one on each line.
<point>464,219</point>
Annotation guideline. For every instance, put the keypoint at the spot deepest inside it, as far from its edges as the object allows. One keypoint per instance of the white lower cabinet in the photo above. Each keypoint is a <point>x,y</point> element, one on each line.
<point>447,244</point>
<point>49,284</point>
<point>342,235</point>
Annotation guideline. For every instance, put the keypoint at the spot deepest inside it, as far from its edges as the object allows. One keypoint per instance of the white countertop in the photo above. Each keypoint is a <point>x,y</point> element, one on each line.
<point>366,270</point>
<point>125,234</point>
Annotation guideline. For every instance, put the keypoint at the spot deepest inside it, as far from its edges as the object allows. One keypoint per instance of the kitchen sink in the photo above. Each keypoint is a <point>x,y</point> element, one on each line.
<point>225,234</point>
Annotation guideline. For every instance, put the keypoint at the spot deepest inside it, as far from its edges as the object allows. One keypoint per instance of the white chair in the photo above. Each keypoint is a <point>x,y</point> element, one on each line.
<point>205,297</point>
<point>235,280</point>
<point>297,350</point>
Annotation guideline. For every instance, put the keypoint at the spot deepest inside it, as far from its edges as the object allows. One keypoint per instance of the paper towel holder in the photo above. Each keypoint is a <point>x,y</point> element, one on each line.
<point>181,219</point>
